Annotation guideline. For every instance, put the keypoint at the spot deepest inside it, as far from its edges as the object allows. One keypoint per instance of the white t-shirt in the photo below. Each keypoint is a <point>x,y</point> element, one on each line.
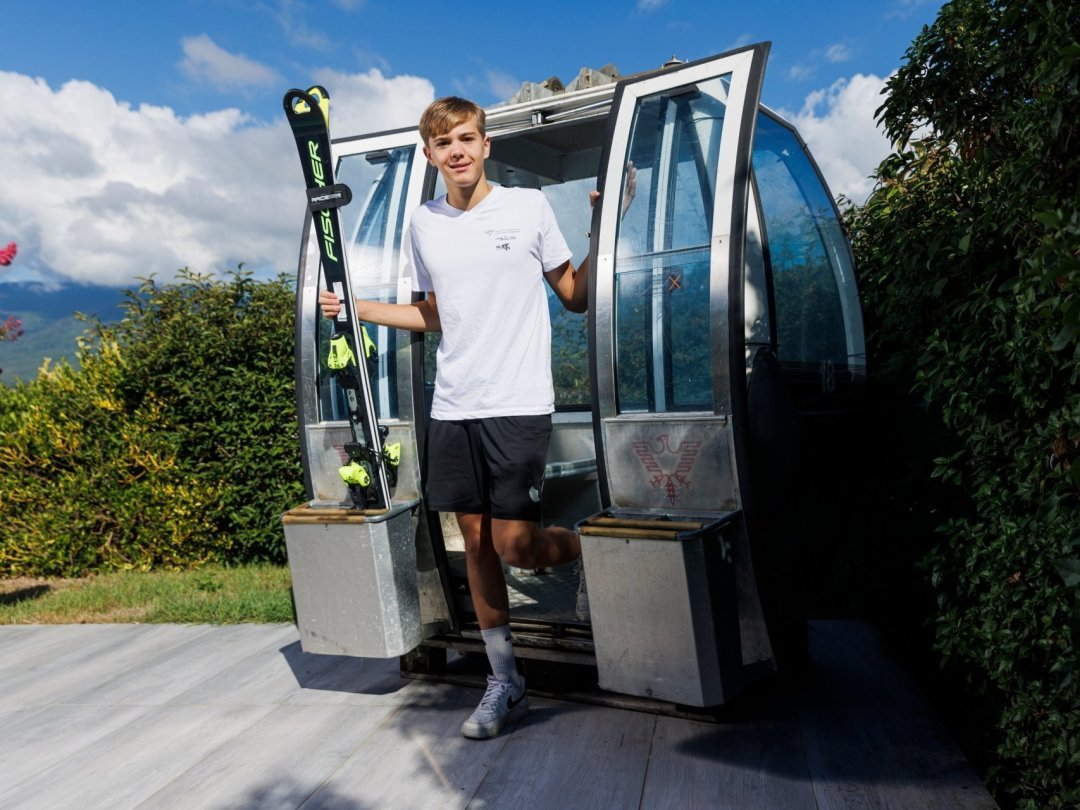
<point>486,269</point>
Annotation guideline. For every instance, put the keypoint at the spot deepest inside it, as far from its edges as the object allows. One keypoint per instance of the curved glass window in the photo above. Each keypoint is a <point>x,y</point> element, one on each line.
<point>818,322</point>
<point>662,263</point>
<point>372,224</point>
<point>569,336</point>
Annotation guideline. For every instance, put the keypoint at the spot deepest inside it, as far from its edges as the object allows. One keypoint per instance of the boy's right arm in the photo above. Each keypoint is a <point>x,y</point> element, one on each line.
<point>421,316</point>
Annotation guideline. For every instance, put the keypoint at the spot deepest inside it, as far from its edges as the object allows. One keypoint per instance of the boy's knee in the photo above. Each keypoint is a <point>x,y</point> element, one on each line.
<point>473,542</point>
<point>472,532</point>
<point>514,544</point>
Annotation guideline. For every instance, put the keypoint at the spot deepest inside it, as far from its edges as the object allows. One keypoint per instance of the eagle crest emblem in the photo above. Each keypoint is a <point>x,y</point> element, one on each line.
<point>668,468</point>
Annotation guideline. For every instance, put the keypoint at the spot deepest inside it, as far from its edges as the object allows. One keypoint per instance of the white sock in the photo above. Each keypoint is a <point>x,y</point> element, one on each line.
<point>500,653</point>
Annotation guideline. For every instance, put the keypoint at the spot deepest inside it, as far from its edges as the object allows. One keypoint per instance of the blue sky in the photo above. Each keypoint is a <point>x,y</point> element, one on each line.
<point>132,128</point>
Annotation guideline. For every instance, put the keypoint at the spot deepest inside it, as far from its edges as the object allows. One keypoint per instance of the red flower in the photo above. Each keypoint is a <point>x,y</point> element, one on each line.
<point>11,329</point>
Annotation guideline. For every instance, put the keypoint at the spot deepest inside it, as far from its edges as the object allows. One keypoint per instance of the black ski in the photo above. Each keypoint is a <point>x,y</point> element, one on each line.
<point>372,468</point>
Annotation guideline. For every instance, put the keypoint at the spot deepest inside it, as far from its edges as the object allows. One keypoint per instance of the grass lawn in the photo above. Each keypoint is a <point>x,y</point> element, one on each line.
<point>209,595</point>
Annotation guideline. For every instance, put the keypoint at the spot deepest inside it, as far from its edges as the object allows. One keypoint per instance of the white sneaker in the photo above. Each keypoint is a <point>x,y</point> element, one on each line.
<point>581,606</point>
<point>498,707</point>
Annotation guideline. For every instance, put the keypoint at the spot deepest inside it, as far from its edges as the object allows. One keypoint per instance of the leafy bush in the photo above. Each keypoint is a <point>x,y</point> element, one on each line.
<point>86,484</point>
<point>219,356</point>
<point>173,444</point>
<point>970,272</point>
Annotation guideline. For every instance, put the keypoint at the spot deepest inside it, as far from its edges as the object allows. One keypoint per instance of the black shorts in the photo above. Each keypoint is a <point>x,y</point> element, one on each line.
<point>489,466</point>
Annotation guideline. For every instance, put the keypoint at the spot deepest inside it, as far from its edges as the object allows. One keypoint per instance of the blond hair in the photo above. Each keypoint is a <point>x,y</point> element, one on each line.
<point>443,114</point>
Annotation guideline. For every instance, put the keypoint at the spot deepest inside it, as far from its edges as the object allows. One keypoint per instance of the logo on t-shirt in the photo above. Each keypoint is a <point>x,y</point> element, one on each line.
<point>503,237</point>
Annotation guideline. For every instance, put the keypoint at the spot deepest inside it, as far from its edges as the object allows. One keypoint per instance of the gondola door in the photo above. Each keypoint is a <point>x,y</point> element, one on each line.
<point>667,325</point>
<point>668,350</point>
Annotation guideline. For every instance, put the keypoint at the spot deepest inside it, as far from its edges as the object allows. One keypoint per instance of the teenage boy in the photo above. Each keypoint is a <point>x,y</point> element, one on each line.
<point>482,254</point>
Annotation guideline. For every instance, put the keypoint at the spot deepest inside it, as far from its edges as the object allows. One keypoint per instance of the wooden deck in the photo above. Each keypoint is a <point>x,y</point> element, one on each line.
<point>177,716</point>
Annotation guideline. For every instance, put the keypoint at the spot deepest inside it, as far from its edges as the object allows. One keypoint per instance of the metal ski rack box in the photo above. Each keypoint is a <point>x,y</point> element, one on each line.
<point>354,579</point>
<point>662,599</point>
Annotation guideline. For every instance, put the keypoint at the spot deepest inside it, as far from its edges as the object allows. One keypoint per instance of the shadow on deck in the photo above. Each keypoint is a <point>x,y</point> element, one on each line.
<point>238,716</point>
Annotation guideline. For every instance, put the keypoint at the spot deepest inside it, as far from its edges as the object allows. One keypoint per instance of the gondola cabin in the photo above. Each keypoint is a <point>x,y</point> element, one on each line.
<point>723,329</point>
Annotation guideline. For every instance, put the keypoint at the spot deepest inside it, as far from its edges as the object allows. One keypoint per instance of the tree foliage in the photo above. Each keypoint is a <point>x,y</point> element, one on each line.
<point>173,443</point>
<point>968,251</point>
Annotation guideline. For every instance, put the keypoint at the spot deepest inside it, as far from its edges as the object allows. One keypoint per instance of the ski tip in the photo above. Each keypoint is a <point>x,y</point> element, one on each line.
<point>322,98</point>
<point>296,102</point>
<point>302,102</point>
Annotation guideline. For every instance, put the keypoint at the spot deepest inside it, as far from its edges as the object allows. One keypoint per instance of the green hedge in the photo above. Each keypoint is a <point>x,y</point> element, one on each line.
<point>970,273</point>
<point>173,443</point>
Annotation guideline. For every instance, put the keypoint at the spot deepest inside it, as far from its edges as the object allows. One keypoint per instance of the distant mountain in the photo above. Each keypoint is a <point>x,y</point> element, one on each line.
<point>49,323</point>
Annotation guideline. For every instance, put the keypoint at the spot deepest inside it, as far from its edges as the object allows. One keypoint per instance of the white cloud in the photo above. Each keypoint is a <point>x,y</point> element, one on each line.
<point>206,61</point>
<point>292,16</point>
<point>501,85</point>
<point>738,42</point>
<point>98,191</point>
<point>650,5</point>
<point>838,125</point>
<point>904,9</point>
<point>370,102</point>
<point>838,53</point>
